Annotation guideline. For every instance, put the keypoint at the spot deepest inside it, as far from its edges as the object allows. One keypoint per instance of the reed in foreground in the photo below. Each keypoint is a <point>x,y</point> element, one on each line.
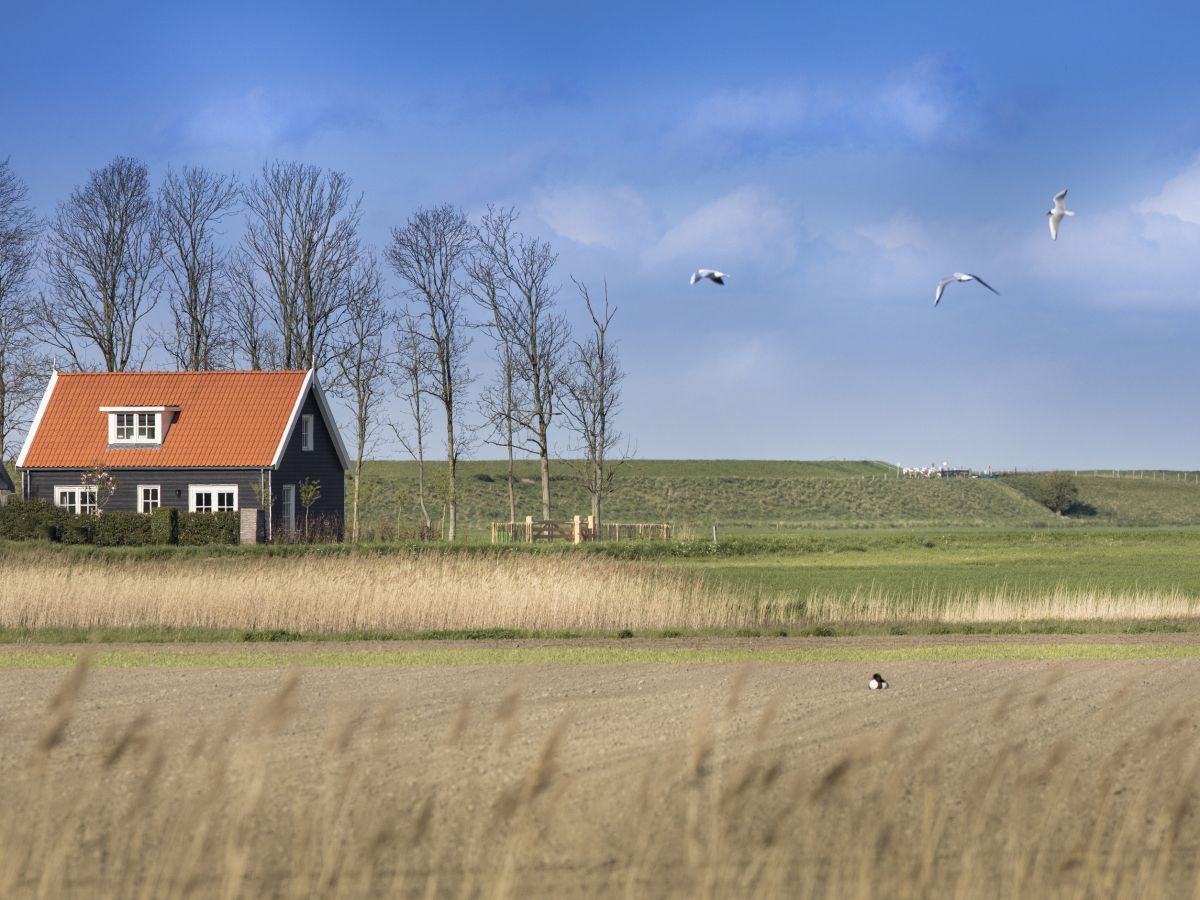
<point>726,813</point>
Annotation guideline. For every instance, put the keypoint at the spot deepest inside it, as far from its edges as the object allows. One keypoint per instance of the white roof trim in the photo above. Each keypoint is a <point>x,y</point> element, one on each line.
<point>37,418</point>
<point>310,380</point>
<point>137,409</point>
<point>287,432</point>
<point>331,425</point>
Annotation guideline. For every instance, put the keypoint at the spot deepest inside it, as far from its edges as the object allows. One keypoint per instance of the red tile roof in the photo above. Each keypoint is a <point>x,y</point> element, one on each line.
<point>226,419</point>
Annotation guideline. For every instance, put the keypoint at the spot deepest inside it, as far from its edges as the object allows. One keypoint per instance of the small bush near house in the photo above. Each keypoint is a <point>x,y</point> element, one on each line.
<point>164,525</point>
<point>209,528</point>
<point>31,520</point>
<point>121,529</point>
<point>76,530</point>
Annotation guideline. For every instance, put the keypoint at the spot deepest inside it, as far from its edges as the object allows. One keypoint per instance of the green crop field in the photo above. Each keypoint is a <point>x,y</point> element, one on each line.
<point>927,568</point>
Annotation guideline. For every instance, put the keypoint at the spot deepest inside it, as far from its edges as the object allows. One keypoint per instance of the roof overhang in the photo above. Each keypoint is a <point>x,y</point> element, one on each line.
<point>139,409</point>
<point>37,418</point>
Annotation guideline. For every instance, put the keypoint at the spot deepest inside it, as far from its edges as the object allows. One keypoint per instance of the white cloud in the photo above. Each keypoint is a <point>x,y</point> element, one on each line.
<point>929,100</point>
<point>260,120</point>
<point>900,232</point>
<point>1179,197</point>
<point>593,216</point>
<point>923,99</point>
<point>748,224</point>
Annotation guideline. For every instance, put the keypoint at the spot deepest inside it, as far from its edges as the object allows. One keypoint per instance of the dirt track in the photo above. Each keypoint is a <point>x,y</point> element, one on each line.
<point>469,733</point>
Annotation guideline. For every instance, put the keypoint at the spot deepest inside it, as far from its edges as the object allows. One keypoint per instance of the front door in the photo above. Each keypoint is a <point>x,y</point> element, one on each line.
<point>289,510</point>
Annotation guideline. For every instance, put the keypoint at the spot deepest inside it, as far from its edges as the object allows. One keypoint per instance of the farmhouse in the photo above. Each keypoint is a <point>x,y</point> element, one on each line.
<point>197,441</point>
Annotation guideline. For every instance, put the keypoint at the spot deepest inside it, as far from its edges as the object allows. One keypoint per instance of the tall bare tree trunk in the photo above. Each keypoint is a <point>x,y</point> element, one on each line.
<point>430,253</point>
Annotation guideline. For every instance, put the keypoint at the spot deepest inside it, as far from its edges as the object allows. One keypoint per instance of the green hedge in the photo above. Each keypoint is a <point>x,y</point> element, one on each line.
<point>31,520</point>
<point>209,528</point>
<point>164,525</point>
<point>121,529</point>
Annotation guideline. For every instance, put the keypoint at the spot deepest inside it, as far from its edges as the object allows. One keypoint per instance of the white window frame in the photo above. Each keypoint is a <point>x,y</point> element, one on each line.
<point>306,431</point>
<point>130,429</point>
<point>214,489</point>
<point>149,429</point>
<point>146,427</point>
<point>142,500</point>
<point>289,509</point>
<point>76,504</point>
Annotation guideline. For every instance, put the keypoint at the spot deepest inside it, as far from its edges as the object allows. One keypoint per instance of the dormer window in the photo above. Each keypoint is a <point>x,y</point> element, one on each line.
<point>138,426</point>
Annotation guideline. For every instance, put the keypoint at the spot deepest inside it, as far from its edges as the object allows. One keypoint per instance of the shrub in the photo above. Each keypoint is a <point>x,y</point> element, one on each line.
<point>209,528</point>
<point>31,520</point>
<point>76,530</point>
<point>164,525</point>
<point>121,529</point>
<point>1058,492</point>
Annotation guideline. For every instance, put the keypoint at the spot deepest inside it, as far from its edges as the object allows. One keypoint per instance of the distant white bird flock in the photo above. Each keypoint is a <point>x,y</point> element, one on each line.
<point>1056,214</point>
<point>1055,218</point>
<point>958,276</point>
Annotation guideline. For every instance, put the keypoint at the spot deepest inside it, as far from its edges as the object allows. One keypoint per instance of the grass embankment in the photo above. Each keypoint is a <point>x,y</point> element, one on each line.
<point>1137,499</point>
<point>741,496</point>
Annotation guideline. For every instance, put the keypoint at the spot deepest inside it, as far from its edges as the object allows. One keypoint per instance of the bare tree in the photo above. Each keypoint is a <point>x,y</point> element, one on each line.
<point>102,262</point>
<point>22,370</point>
<point>412,379</point>
<point>593,397</point>
<point>501,400</point>
<point>362,369</point>
<point>251,332</point>
<point>538,335</point>
<point>429,253</point>
<point>192,204</point>
<point>301,251</point>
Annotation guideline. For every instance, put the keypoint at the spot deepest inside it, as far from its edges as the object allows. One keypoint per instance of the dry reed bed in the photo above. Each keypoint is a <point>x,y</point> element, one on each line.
<point>433,592</point>
<point>156,816</point>
<point>419,592</point>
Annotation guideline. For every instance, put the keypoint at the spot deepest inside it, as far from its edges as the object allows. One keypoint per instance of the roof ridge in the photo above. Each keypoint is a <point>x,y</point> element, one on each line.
<point>190,372</point>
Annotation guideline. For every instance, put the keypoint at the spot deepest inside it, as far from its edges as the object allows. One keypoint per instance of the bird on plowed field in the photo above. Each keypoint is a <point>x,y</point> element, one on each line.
<point>877,683</point>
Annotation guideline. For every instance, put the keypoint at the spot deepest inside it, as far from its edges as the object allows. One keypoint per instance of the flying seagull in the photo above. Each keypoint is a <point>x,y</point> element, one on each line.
<point>1056,214</point>
<point>878,683</point>
<point>958,276</point>
<point>711,274</point>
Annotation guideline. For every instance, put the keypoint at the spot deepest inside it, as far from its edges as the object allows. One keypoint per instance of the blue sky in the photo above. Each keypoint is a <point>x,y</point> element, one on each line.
<point>835,160</point>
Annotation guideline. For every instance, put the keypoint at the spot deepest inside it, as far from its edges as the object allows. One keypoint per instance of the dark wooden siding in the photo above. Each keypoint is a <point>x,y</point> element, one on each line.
<point>319,464</point>
<point>173,484</point>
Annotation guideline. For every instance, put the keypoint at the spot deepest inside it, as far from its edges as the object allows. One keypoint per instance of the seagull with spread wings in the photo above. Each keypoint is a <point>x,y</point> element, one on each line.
<point>711,274</point>
<point>958,276</point>
<point>1056,214</point>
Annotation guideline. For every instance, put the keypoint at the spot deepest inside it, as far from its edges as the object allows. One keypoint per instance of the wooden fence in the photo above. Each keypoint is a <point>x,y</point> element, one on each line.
<point>578,530</point>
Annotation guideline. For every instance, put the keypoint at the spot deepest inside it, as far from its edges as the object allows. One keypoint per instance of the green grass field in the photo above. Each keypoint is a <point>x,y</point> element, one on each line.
<point>938,563</point>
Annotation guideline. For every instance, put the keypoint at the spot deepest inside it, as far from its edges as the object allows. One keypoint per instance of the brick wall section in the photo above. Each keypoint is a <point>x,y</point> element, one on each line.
<point>254,526</point>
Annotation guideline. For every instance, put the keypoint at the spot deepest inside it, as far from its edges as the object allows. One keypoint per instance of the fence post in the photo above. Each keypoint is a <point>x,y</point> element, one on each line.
<point>592,536</point>
<point>529,529</point>
<point>576,530</point>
